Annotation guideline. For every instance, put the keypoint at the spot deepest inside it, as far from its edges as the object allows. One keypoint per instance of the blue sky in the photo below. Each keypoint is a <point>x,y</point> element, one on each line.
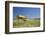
<point>26,11</point>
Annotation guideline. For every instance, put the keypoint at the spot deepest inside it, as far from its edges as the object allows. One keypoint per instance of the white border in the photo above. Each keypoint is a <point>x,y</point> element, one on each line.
<point>11,29</point>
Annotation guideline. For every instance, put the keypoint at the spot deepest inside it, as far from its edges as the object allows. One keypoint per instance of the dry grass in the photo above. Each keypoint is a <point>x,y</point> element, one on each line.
<point>28,23</point>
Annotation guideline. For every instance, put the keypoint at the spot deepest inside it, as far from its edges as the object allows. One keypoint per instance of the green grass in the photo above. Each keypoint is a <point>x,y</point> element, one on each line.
<point>28,23</point>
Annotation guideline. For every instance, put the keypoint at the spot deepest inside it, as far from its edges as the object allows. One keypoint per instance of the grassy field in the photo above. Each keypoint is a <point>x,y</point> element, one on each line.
<point>28,23</point>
